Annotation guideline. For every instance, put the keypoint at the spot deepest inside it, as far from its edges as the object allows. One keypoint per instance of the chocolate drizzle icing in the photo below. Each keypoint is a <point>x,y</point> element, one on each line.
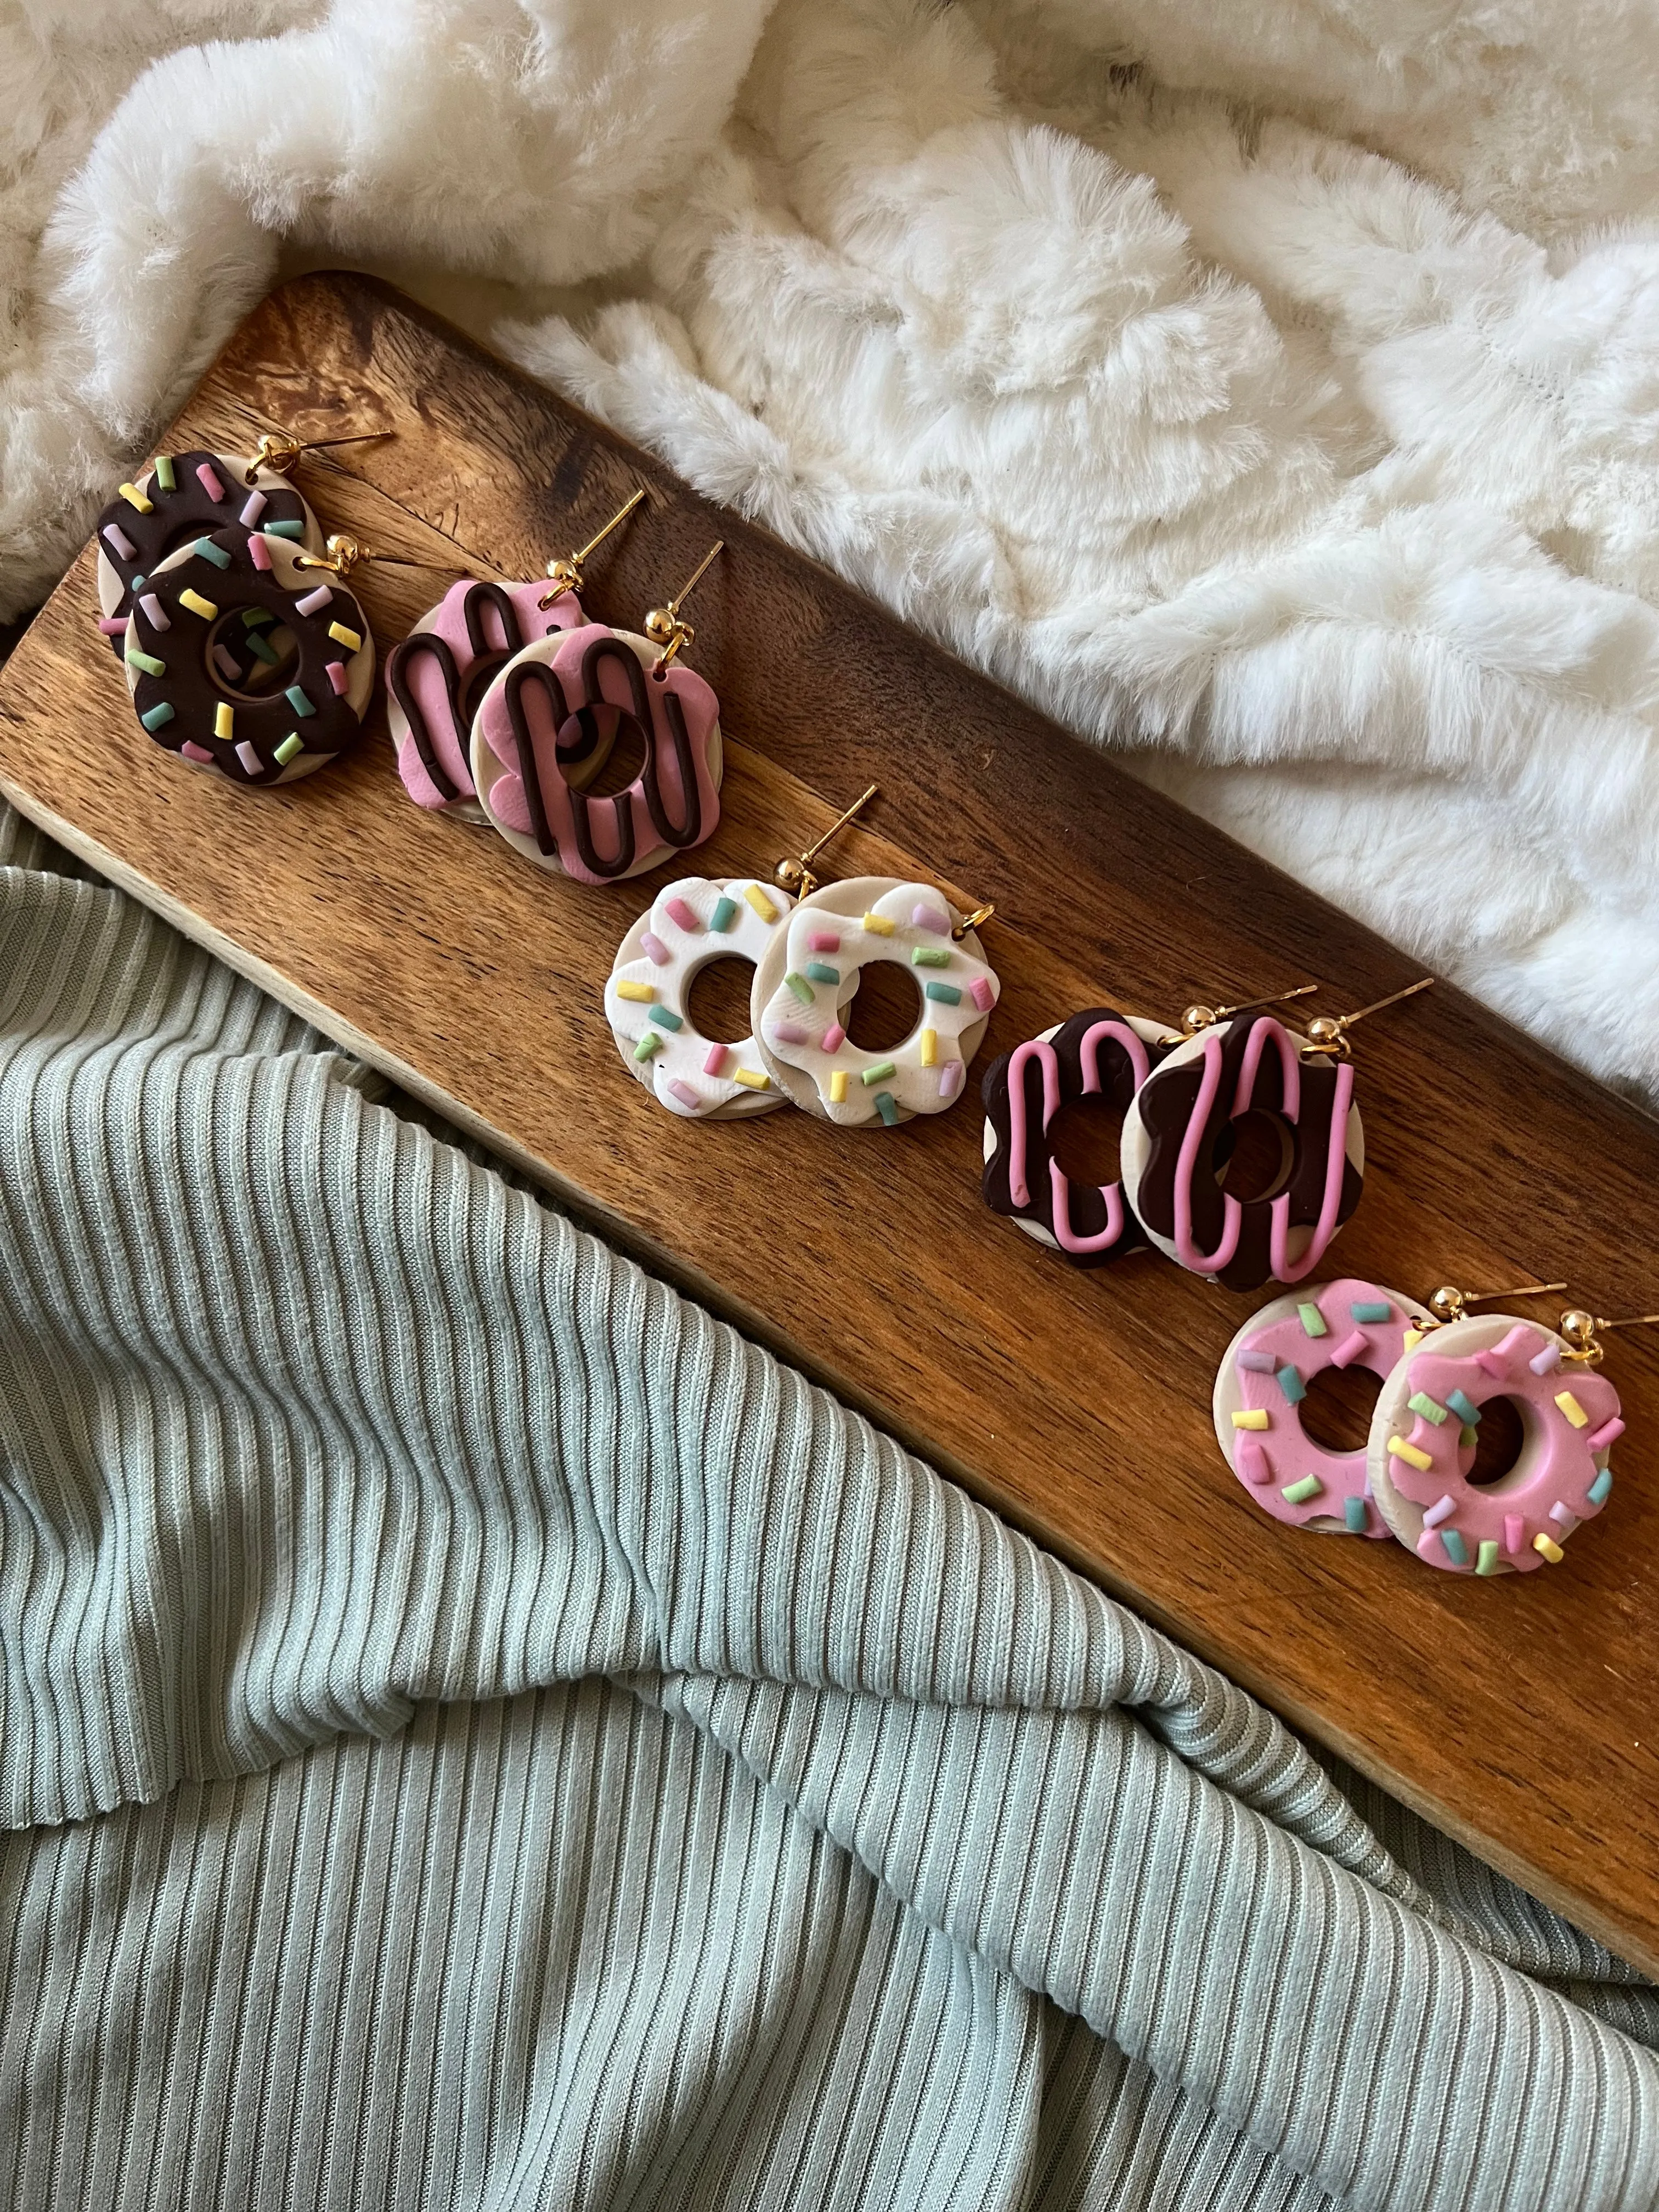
<point>183,513</point>
<point>1167,1103</point>
<point>1088,1210</point>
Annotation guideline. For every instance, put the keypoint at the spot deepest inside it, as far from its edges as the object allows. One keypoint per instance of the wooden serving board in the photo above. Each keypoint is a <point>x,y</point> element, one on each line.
<point>1516,1712</point>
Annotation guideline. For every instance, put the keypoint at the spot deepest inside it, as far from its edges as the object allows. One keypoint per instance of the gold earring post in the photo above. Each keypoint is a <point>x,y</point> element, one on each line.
<point>974,920</point>
<point>567,574</point>
<point>1329,1032</point>
<point>796,876</point>
<point>1200,1017</point>
<point>342,554</point>
<point>1447,1304</point>
<point>662,625</point>
<point>278,450</point>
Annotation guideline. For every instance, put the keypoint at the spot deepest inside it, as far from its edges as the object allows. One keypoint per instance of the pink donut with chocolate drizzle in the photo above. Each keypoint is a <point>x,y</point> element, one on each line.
<point>1431,1408</point>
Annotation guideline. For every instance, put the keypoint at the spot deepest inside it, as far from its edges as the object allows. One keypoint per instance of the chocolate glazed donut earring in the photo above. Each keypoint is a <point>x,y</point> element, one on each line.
<point>436,675</point>
<point>1178,1125</point>
<point>547,700</point>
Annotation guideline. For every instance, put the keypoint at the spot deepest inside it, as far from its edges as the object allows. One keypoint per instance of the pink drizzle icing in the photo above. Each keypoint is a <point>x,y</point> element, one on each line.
<point>1018,1161</point>
<point>448,620</point>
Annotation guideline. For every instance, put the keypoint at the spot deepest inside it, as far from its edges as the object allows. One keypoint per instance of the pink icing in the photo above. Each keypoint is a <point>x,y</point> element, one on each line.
<point>700,709</point>
<point>1018,1184</point>
<point>1557,1464</point>
<point>424,677</point>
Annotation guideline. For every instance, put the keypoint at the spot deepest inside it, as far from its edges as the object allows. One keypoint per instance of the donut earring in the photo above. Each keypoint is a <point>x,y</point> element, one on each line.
<point>1263,1379</point>
<point>1424,1433</point>
<point>1179,1123</point>
<point>587,686</point>
<point>436,675</point>
<point>806,983</point>
<point>692,923</point>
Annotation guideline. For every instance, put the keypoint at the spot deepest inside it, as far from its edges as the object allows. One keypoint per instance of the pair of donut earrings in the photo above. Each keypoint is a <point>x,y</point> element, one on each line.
<point>809,946</point>
<point>1440,1366</point>
<point>507,704</point>
<point>1181,1093</point>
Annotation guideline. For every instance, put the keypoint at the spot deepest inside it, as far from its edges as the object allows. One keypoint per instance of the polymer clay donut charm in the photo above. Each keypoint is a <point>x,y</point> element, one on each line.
<point>436,676</point>
<point>234,579</point>
<point>805,984</point>
<point>1260,1384</point>
<point>178,498</point>
<point>647,1001</point>
<point>533,715</point>
<point>1426,1419</point>
<point>1096,1053</point>
<point>1177,1125</point>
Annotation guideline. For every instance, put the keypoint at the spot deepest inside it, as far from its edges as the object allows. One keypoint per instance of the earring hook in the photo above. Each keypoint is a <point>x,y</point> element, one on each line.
<point>278,450</point>
<point>567,574</point>
<point>1197,1018</point>
<point>1329,1033</point>
<point>1580,1330</point>
<point>796,876</point>
<point>662,625</point>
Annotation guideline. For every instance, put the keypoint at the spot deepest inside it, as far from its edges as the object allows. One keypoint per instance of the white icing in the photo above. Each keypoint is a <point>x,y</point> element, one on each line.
<point>680,1056</point>
<point>838,908</point>
<point>109,587</point>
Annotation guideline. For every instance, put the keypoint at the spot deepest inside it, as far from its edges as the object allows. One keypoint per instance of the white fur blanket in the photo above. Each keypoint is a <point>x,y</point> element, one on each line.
<point>1271,389</point>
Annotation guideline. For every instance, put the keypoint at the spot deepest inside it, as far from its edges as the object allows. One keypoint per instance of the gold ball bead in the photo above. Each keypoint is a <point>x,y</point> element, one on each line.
<point>659,626</point>
<point>1197,1018</point>
<point>1322,1030</point>
<point>563,574</point>
<point>1447,1303</point>
<point>788,875</point>
<point>1578,1327</point>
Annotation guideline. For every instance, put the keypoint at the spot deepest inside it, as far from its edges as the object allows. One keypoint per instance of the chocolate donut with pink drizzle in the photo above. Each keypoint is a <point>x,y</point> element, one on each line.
<point>1176,1135</point>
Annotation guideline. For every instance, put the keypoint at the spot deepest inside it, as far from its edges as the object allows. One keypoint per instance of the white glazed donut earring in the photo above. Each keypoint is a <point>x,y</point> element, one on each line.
<point>692,923</point>
<point>436,676</point>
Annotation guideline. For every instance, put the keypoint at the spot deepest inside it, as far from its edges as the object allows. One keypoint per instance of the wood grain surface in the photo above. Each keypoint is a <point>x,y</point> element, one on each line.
<point>1515,1712</point>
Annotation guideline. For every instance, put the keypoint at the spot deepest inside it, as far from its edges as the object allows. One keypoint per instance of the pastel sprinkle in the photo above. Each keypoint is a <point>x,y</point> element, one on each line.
<point>943,994</point>
<point>714,1059</point>
<point>1442,1510</point>
<point>1352,1347</point>
<point>1489,1363</point>
<point>1465,1409</point>
<point>1353,1516</point>
<point>1313,1321</point>
<point>762,905</point>
<point>1570,1406</point>
<point>838,1086</point>
<point>216,556</point>
<point>1546,1361</point>
<point>285,529</point>
<point>1608,1433</point>
<point>1565,1520</point>
<point>158,717</point>
<point>681,914</point>
<point>253,508</point>
<point>1371,1309</point>
<point>982,994</point>
<point>258,552</point>
<point>833,1037</point>
<point>822,972</point>
<point>724,914</point>
<point>250,759</point>
<point>653,948</point>
<point>1514,1533</point>
<point>224,720</point>
<point>119,543</point>
<point>314,602</point>
<point>1469,1437</point>
<point>292,745</point>
<point>1258,1362</point>
<point>155,613</point>
<point>929,1043</point>
<point>207,477</point>
<point>113,625</point>
<point>1257,1417</point>
<point>682,1091</point>
<point>644,994</point>
<point>343,634</point>
<point>753,1079</point>
<point>1456,1550</point>
<point>1601,1489</point>
<point>335,672</point>
<point>1420,1402</point>
<point>648,1044</point>
<point>198,605</point>
<point>226,666</point>
<point>929,956</point>
<point>877,924</point>
<point>788,1033</point>
<point>297,699</point>
<point>135,498</point>
<point>1486,1559</point>
<point>887,1107</point>
<point>923,916</point>
<point>1400,1449</point>
<point>146,661</point>
<point>949,1078</point>
<point>1252,1461</point>
<point>882,1072</point>
<point>253,617</point>
<point>1549,1549</point>
<point>164,475</point>
<point>665,1017</point>
<point>199,754</point>
<point>1298,1493</point>
<point>799,986</point>
<point>1291,1384</point>
<point>823,940</point>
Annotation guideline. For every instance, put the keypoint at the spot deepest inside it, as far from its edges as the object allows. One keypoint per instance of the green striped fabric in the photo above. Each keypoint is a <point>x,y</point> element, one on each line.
<point>476,1734</point>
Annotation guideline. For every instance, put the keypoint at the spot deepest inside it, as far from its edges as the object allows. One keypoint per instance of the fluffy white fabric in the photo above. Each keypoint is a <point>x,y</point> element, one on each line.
<point>1273,389</point>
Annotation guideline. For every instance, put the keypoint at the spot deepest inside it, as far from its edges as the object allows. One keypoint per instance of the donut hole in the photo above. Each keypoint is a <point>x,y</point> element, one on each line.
<point>1255,1154</point>
<point>1085,1138</point>
<point>1498,1440</point>
<point>248,662</point>
<point>886,1007</point>
<point>718,1000</point>
<point>599,724</point>
<point>1336,1413</point>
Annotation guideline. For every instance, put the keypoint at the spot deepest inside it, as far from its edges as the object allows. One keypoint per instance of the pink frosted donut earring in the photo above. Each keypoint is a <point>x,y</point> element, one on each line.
<point>436,676</point>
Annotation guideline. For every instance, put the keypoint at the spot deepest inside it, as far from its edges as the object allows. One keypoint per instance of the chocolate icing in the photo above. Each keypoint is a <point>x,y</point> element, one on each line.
<point>1088,1206</point>
<point>1166,1104</point>
<point>194,696</point>
<point>183,513</point>
<point>678,835</point>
